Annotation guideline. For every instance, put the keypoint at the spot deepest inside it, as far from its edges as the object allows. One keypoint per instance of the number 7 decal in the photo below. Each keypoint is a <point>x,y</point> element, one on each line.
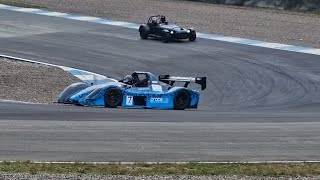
<point>129,100</point>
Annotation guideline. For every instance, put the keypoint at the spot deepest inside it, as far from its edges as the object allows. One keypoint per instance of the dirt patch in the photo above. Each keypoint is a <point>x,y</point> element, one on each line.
<point>292,4</point>
<point>32,82</point>
<point>253,23</point>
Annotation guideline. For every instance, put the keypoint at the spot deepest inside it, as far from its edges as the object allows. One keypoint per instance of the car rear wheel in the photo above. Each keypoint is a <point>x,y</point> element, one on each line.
<point>113,98</point>
<point>192,36</point>
<point>165,37</point>
<point>143,34</point>
<point>182,100</point>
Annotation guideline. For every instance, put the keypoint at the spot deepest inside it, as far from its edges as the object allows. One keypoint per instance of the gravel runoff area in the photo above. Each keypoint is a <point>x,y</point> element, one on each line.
<point>272,25</point>
<point>6,176</point>
<point>30,82</point>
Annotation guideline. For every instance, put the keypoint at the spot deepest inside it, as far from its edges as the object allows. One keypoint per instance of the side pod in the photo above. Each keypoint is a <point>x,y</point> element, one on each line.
<point>65,95</point>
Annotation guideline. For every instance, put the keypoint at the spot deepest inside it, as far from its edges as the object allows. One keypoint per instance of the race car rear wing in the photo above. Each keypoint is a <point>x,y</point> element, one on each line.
<point>172,79</point>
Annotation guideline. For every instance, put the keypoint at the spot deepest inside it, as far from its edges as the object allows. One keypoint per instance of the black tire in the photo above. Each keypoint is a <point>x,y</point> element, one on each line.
<point>144,34</point>
<point>113,98</point>
<point>165,37</point>
<point>182,100</point>
<point>193,36</point>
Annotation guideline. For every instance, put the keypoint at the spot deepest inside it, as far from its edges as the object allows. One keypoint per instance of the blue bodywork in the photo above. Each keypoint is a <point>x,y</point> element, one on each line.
<point>152,94</point>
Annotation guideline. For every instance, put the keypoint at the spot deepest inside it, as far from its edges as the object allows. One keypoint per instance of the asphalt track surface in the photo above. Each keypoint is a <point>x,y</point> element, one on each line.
<point>260,104</point>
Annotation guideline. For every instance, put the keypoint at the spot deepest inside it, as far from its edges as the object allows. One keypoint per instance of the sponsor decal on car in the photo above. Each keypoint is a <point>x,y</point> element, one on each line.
<point>159,100</point>
<point>156,87</point>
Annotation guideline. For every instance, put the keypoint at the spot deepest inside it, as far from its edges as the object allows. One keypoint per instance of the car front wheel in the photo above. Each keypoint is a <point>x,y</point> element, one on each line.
<point>192,36</point>
<point>113,98</point>
<point>165,37</point>
<point>143,34</point>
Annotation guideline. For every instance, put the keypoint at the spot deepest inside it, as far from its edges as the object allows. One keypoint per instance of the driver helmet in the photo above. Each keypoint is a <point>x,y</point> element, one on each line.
<point>154,20</point>
<point>128,79</point>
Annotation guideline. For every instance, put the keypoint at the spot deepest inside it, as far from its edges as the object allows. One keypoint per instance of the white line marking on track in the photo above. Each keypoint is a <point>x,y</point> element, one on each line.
<point>56,14</point>
<point>311,51</point>
<point>117,23</point>
<point>19,102</point>
<point>81,74</point>
<point>272,45</point>
<point>26,10</point>
<point>228,39</point>
<point>3,6</point>
<point>83,18</point>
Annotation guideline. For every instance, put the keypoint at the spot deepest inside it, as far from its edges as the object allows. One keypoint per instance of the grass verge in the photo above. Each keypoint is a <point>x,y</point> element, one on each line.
<point>263,169</point>
<point>17,4</point>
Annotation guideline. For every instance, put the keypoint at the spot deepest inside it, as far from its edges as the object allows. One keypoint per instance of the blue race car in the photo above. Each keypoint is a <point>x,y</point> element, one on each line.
<point>139,90</point>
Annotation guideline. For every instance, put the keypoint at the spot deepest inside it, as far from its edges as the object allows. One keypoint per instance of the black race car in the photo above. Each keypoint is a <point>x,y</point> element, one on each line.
<point>158,27</point>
